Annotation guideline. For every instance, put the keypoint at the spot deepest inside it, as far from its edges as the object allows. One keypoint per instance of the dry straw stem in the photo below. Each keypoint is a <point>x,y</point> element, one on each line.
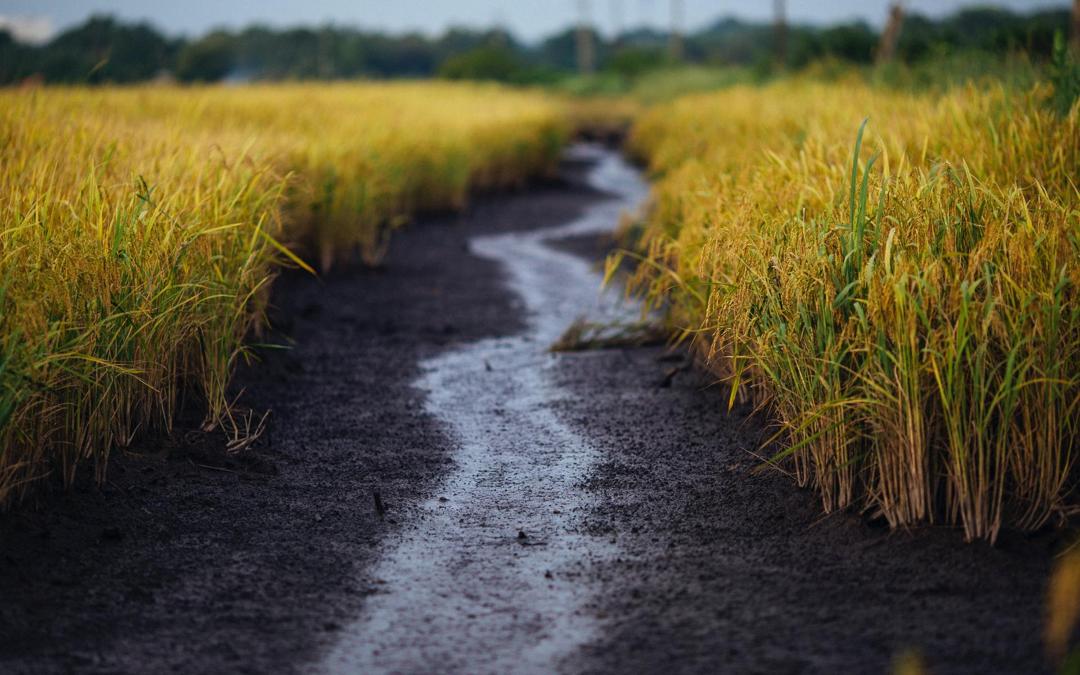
<point>142,227</point>
<point>902,296</point>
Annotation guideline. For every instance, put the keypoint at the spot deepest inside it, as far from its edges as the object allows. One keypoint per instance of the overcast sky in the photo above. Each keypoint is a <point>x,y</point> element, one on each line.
<point>529,19</point>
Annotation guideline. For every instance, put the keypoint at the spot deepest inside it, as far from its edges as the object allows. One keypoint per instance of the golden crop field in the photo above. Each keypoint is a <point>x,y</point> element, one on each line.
<point>142,227</point>
<point>909,320</point>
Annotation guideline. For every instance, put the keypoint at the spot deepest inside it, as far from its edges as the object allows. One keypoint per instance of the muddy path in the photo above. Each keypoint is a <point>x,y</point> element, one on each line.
<point>502,546</point>
<point>437,493</point>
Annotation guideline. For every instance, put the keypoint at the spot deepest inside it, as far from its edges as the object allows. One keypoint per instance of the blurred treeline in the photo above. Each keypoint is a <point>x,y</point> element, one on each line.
<point>106,50</point>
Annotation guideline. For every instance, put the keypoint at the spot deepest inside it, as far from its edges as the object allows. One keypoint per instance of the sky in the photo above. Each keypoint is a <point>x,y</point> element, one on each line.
<point>37,20</point>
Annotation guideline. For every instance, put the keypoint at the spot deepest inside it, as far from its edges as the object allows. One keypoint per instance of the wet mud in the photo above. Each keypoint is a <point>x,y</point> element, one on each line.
<point>724,568</point>
<point>492,574</point>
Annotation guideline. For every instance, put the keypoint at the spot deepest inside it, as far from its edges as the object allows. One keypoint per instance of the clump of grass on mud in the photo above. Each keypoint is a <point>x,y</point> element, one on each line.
<point>910,319</point>
<point>584,335</point>
<point>142,227</point>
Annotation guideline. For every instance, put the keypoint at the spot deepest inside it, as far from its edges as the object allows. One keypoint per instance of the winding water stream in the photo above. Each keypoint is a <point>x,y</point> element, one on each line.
<point>487,577</point>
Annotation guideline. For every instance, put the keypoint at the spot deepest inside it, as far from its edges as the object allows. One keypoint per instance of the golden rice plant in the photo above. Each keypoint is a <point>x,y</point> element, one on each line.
<point>142,227</point>
<point>900,295</point>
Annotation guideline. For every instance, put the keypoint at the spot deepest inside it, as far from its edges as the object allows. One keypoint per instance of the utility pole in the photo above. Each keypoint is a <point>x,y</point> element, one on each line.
<point>780,31</point>
<point>891,35</point>
<point>586,56</point>
<point>675,39</point>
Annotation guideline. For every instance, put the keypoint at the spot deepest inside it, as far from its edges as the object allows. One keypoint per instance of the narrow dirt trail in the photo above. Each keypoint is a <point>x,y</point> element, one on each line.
<point>489,576</point>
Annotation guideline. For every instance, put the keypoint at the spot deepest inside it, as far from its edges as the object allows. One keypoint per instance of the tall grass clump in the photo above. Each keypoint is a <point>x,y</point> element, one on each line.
<point>142,227</point>
<point>901,296</point>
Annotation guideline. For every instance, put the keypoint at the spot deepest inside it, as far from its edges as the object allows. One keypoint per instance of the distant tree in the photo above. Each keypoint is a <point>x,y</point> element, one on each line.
<point>265,53</point>
<point>1074,32</point>
<point>458,40</point>
<point>851,42</point>
<point>919,38</point>
<point>983,30</point>
<point>631,62</point>
<point>410,55</point>
<point>1035,33</point>
<point>500,64</point>
<point>1065,75</point>
<point>643,37</point>
<point>292,53</point>
<point>732,41</point>
<point>17,61</point>
<point>560,50</point>
<point>103,50</point>
<point>206,60</point>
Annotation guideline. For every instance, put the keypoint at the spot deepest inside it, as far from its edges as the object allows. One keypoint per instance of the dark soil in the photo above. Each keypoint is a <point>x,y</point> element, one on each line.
<point>728,569</point>
<point>192,560</point>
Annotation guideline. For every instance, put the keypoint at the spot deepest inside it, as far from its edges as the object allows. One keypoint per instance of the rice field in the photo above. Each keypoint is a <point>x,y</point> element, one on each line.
<point>142,228</point>
<point>892,278</point>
